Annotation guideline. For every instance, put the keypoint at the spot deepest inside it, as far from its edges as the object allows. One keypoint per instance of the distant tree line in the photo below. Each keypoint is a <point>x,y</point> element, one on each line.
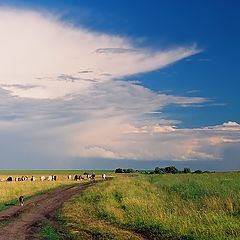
<point>128,170</point>
<point>174,170</point>
<point>158,170</point>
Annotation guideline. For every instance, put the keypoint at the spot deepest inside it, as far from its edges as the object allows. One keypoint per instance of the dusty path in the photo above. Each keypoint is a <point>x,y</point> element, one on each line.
<point>21,220</point>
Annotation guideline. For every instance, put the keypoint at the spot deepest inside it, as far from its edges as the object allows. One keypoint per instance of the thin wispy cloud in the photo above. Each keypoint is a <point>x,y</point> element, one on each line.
<point>34,45</point>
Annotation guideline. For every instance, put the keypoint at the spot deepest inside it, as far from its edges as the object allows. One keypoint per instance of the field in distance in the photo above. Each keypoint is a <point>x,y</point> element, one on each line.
<point>170,206</point>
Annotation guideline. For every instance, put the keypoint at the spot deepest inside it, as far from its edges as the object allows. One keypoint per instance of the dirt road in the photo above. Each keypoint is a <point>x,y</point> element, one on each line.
<point>20,222</point>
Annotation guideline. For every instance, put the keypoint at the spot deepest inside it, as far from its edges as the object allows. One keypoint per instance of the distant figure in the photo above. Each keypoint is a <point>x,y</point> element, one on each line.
<point>93,177</point>
<point>42,178</point>
<point>54,178</point>
<point>9,179</point>
<point>24,178</point>
<point>21,200</point>
<point>69,177</point>
<point>33,178</point>
<point>104,176</point>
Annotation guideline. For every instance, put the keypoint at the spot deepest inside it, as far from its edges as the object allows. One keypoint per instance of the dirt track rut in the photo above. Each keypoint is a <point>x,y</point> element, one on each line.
<point>21,221</point>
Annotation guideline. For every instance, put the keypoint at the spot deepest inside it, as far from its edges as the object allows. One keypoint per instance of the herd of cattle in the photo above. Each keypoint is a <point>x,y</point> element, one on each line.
<point>53,178</point>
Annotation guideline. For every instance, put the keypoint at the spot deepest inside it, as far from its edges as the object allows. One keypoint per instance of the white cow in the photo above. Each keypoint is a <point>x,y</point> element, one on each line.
<point>50,178</point>
<point>42,178</point>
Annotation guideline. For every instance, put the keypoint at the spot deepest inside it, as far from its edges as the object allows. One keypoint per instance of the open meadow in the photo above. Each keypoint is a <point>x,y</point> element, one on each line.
<point>170,206</point>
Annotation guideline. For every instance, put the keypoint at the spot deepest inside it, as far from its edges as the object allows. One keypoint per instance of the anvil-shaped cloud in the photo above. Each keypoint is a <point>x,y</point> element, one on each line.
<point>57,58</point>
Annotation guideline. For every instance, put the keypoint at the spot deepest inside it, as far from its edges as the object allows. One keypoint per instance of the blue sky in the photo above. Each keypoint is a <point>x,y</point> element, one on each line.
<point>195,92</point>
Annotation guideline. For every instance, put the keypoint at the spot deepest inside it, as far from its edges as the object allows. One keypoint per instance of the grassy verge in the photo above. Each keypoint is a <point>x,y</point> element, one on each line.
<point>158,207</point>
<point>49,233</point>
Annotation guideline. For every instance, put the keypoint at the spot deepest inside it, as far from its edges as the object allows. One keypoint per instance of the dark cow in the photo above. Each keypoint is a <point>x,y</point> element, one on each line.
<point>21,200</point>
<point>78,177</point>
<point>93,177</point>
<point>9,179</point>
<point>24,178</point>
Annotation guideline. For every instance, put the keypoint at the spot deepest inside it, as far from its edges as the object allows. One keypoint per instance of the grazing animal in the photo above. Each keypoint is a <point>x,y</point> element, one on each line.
<point>9,179</point>
<point>76,178</point>
<point>21,200</point>
<point>24,178</point>
<point>42,178</point>
<point>49,178</point>
<point>103,176</point>
<point>54,178</point>
<point>33,178</point>
<point>93,177</point>
<point>69,177</point>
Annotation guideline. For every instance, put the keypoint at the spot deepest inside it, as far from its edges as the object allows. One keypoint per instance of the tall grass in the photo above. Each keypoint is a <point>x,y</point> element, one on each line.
<point>182,206</point>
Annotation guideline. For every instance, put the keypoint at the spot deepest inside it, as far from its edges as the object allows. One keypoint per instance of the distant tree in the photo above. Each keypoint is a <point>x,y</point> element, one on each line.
<point>198,171</point>
<point>171,169</point>
<point>119,170</point>
<point>187,170</point>
<point>159,170</point>
<point>128,170</point>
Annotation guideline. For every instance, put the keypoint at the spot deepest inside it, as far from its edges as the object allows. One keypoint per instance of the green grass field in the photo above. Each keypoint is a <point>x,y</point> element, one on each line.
<point>181,206</point>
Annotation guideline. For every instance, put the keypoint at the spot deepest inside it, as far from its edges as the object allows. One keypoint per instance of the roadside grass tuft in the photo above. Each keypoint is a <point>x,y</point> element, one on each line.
<point>48,233</point>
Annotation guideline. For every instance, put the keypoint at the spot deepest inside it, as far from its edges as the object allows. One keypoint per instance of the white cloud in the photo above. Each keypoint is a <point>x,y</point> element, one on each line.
<point>42,57</point>
<point>62,94</point>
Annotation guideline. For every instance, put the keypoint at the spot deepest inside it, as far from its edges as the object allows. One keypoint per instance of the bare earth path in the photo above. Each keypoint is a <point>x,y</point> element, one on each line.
<point>21,221</point>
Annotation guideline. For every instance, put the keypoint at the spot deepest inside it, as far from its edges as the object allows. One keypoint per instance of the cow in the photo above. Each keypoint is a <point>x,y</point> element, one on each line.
<point>33,179</point>
<point>24,178</point>
<point>69,177</point>
<point>49,178</point>
<point>21,200</point>
<point>104,176</point>
<point>76,178</point>
<point>9,179</point>
<point>42,178</point>
<point>93,177</point>
<point>54,178</point>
